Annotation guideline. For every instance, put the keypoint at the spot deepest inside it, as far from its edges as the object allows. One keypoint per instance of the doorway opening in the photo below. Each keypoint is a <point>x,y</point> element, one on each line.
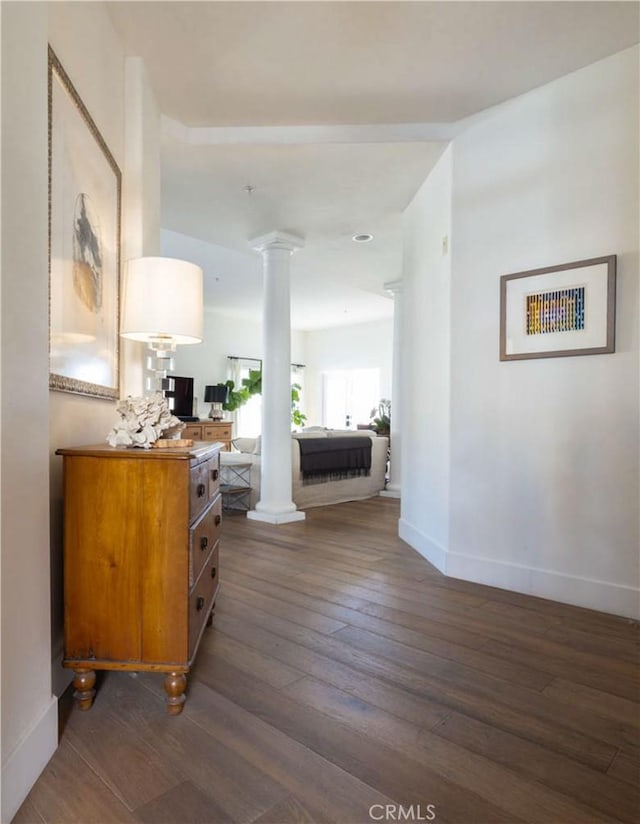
<point>348,396</point>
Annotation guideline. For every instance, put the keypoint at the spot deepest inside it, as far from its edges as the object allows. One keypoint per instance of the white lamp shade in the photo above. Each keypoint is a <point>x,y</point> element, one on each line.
<point>162,297</point>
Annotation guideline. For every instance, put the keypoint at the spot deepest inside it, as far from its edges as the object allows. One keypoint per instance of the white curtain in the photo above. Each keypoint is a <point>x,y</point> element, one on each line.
<point>246,419</point>
<point>234,373</point>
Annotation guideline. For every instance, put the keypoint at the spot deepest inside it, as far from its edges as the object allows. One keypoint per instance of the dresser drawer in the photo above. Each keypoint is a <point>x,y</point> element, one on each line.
<point>213,476</point>
<point>193,431</point>
<point>204,535</point>
<point>201,600</point>
<point>204,485</point>
<point>199,495</point>
<point>217,432</point>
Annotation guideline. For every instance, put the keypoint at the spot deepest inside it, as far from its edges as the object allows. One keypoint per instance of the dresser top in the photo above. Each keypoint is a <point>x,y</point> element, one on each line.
<point>197,452</point>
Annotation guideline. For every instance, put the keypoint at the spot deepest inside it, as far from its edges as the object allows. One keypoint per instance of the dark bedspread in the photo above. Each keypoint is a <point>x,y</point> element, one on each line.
<point>332,459</point>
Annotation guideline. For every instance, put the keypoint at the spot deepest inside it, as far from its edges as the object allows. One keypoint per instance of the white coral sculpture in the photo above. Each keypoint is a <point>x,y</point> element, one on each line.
<point>141,421</point>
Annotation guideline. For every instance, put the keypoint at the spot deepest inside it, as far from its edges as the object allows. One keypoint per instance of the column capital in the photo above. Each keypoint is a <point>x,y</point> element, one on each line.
<point>277,240</point>
<point>394,286</point>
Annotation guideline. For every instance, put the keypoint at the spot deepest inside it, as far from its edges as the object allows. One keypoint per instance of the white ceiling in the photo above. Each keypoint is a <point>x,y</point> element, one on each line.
<point>237,80</point>
<point>324,193</point>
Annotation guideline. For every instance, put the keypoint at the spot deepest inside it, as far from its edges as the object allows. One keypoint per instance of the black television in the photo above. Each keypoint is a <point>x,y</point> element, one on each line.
<point>180,396</point>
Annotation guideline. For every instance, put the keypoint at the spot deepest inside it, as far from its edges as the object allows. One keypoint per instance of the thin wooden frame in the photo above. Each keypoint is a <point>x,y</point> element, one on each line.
<point>85,194</point>
<point>559,311</point>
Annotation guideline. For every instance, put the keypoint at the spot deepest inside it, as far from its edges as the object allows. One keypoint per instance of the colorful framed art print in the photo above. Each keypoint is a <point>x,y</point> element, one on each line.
<point>559,311</point>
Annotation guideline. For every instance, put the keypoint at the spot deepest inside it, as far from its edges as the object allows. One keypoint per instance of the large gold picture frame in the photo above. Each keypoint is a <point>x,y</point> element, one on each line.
<point>84,247</point>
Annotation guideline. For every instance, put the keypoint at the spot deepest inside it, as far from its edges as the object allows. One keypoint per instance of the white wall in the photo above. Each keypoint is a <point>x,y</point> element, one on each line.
<point>141,198</point>
<point>35,421</point>
<point>425,424</point>
<point>29,711</point>
<point>544,453</point>
<point>232,278</point>
<point>97,73</point>
<point>229,273</point>
<point>223,335</point>
<point>360,346</point>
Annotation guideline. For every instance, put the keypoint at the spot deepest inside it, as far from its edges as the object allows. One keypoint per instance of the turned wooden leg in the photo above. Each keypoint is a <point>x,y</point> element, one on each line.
<point>175,684</point>
<point>84,681</point>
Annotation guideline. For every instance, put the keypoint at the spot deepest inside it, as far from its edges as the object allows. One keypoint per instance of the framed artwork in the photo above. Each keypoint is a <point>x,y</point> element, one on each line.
<point>559,311</point>
<point>84,247</point>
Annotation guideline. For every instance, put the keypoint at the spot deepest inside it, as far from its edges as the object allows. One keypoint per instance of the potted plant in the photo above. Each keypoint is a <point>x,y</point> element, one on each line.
<point>381,417</point>
<point>298,418</point>
<point>250,386</point>
<point>253,386</point>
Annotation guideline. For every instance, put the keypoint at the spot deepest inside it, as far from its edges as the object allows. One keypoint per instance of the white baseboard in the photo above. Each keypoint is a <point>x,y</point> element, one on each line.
<point>276,517</point>
<point>603,596</point>
<point>61,677</point>
<point>429,549</point>
<point>28,760</point>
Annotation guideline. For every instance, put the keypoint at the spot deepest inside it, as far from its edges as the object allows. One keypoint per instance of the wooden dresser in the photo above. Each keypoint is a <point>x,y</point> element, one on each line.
<point>210,431</point>
<point>141,536</point>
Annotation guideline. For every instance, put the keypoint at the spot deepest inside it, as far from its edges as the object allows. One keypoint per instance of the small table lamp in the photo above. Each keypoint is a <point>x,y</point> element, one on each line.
<point>162,305</point>
<point>216,396</point>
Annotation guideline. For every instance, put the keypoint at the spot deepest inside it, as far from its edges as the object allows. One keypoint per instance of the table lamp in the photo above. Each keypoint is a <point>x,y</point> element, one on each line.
<point>216,395</point>
<point>162,305</point>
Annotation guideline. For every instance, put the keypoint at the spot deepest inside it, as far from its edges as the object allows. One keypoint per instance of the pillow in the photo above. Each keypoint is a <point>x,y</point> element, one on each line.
<point>319,433</point>
<point>257,449</point>
<point>315,429</point>
<point>244,444</point>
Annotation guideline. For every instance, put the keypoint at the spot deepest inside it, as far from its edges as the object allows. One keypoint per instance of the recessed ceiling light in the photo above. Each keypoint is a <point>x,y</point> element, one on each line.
<point>365,237</point>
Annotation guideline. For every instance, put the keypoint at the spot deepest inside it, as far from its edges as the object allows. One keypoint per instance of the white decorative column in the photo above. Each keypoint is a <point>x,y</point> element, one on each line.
<point>395,465</point>
<point>276,504</point>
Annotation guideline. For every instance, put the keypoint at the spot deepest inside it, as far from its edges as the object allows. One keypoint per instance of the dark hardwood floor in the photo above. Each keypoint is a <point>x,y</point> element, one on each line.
<point>343,672</point>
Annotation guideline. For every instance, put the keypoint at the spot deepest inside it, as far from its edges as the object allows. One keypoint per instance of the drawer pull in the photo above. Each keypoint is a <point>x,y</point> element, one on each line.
<point>199,603</point>
<point>201,490</point>
<point>217,520</point>
<point>204,543</point>
<point>213,572</point>
<point>214,474</point>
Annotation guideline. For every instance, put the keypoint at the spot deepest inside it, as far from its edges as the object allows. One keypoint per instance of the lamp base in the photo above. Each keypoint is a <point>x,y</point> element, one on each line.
<point>216,412</point>
<point>159,362</point>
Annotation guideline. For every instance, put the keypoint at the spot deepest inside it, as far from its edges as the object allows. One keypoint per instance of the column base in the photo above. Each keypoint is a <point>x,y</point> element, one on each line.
<point>391,492</point>
<point>276,517</point>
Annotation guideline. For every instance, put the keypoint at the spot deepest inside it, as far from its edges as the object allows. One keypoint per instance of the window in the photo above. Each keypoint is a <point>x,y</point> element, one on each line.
<point>248,418</point>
